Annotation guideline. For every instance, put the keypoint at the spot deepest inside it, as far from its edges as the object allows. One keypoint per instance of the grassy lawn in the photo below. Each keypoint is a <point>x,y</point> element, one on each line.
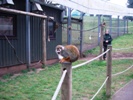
<point>124,41</point>
<point>86,80</point>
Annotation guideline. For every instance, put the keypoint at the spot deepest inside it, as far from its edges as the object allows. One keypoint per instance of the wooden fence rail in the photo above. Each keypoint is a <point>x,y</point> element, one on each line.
<point>23,12</point>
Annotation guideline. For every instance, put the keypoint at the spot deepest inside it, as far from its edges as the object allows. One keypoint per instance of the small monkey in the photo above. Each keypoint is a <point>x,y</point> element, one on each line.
<point>68,53</point>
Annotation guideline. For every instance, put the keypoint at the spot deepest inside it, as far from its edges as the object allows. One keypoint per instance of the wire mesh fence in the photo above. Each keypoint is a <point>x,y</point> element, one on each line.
<point>129,27</point>
<point>90,38</point>
<point>116,26</point>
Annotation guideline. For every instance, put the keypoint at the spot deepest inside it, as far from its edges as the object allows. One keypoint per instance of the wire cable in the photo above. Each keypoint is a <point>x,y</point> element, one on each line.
<point>82,30</point>
<point>90,60</point>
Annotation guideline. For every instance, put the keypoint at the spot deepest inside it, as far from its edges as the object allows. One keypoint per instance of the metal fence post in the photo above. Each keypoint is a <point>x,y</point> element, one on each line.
<point>99,22</point>
<point>110,24</point>
<point>81,34</point>
<point>124,25</point>
<point>28,37</point>
<point>101,40</point>
<point>118,22</point>
<point>66,89</point>
<point>109,71</point>
<point>69,33</point>
<point>127,27</point>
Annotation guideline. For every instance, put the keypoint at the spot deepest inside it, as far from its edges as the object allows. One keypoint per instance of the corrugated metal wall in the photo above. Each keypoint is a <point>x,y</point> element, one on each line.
<point>7,56</point>
<point>36,35</point>
<point>52,44</point>
<point>36,39</point>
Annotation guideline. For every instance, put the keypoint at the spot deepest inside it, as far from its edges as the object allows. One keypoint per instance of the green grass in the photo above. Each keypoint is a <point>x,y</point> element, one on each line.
<point>31,86</point>
<point>86,80</point>
<point>94,51</point>
<point>124,41</point>
<point>92,76</point>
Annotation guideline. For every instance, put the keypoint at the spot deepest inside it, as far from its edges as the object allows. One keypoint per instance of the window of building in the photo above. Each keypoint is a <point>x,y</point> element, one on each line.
<point>7,25</point>
<point>51,30</point>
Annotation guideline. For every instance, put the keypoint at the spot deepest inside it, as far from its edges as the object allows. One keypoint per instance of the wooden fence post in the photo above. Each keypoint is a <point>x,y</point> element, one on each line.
<point>69,31</point>
<point>109,71</point>
<point>101,41</point>
<point>44,41</point>
<point>66,89</point>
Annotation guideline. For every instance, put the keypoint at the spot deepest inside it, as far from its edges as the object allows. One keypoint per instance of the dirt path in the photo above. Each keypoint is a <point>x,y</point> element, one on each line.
<point>122,55</point>
<point>114,56</point>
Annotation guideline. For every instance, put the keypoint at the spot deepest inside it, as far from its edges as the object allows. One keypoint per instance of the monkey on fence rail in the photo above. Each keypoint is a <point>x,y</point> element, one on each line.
<point>68,53</point>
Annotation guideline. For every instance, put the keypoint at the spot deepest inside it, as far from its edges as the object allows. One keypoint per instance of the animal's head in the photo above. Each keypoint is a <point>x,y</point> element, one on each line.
<point>59,48</point>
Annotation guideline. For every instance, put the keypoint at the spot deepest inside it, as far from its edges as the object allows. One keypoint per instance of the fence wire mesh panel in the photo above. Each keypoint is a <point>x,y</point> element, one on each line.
<point>122,27</point>
<point>130,26</point>
<point>64,34</point>
<point>116,26</point>
<point>90,37</point>
<point>106,20</point>
<point>76,34</point>
<point>113,28</point>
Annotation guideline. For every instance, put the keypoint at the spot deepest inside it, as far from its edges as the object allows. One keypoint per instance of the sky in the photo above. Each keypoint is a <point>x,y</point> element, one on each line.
<point>119,2</point>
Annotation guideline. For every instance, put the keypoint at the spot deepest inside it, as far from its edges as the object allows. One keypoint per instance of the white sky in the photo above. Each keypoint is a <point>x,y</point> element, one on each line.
<point>119,2</point>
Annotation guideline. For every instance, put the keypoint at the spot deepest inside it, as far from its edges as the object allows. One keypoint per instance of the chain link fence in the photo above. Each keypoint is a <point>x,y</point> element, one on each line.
<point>129,26</point>
<point>90,38</point>
<point>117,27</point>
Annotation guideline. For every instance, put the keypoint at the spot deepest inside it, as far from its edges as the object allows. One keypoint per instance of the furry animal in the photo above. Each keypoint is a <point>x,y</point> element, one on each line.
<point>68,53</point>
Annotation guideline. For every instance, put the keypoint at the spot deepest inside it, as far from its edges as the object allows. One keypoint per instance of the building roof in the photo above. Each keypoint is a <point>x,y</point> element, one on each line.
<point>48,5</point>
